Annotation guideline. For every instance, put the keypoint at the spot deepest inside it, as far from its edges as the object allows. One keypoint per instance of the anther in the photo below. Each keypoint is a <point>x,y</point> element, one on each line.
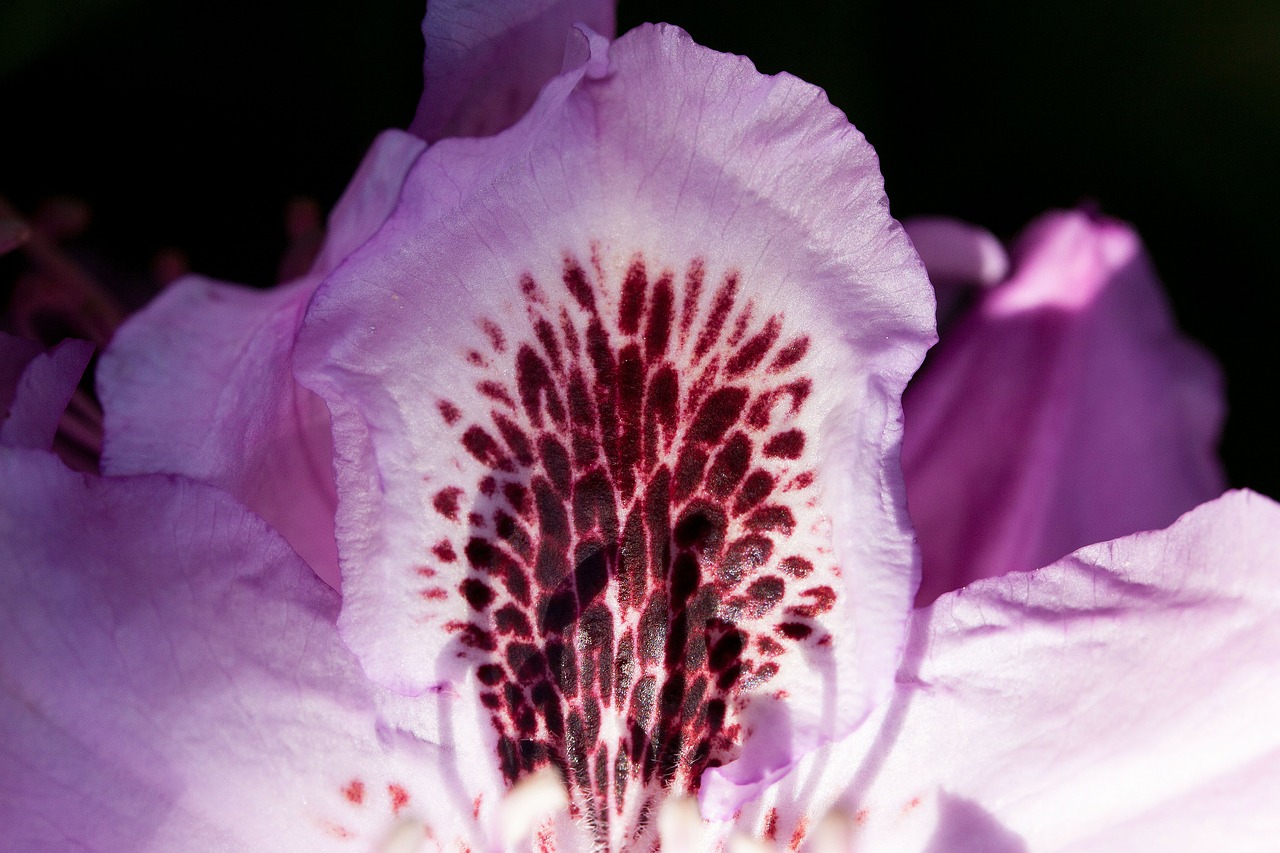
<point>833,834</point>
<point>405,837</point>
<point>530,801</point>
<point>680,825</point>
<point>742,843</point>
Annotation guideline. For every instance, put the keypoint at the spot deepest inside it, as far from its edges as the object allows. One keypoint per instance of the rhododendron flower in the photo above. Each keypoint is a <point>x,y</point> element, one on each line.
<point>595,424</point>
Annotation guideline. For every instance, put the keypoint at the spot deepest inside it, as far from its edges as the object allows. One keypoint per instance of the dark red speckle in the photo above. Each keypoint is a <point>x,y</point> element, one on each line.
<point>449,412</point>
<point>446,502</point>
<point>399,798</point>
<point>494,333</point>
<point>353,791</point>
<point>771,825</point>
<point>787,445</point>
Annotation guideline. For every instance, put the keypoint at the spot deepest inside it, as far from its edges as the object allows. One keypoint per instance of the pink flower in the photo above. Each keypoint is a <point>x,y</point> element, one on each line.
<point>557,410</point>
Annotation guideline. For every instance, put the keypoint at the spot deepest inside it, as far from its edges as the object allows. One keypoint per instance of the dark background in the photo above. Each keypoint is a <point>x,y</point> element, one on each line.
<point>190,124</point>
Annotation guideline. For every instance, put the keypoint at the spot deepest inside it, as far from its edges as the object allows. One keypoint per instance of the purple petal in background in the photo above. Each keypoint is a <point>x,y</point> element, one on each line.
<point>35,387</point>
<point>486,60</point>
<point>1063,409</point>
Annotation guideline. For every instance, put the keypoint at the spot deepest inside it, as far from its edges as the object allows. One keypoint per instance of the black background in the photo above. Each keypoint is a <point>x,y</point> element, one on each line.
<point>190,124</point>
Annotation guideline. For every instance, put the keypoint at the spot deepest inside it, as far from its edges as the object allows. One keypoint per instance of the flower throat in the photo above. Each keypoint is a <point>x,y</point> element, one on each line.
<point>632,553</point>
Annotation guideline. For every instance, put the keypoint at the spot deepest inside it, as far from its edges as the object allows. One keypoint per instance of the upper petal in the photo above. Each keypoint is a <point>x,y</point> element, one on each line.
<point>1063,409</point>
<point>1124,698</point>
<point>591,444</point>
<point>486,60</point>
<point>200,382</point>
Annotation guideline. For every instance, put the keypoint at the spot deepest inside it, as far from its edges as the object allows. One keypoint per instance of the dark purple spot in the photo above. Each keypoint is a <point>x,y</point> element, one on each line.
<point>575,279</point>
<point>797,567</point>
<point>633,288</point>
<point>753,351</point>
<point>689,467</point>
<point>785,445</point>
<point>477,593</point>
<point>718,412</point>
<point>790,354</point>
<point>701,526</point>
<point>446,502</point>
<point>720,307</point>
<point>547,337</point>
<point>730,466</point>
<point>494,333</point>
<point>658,331</point>
<point>692,290</point>
<point>449,412</point>
<point>509,619</point>
<point>772,517</point>
<point>517,495</point>
<point>537,388</point>
<point>475,637</point>
<point>530,289</point>
<point>480,554</point>
<point>513,534</point>
<point>744,556</point>
<point>485,449</point>
<point>764,594</point>
<point>497,392</point>
<point>555,461</point>
<point>515,438</point>
<point>757,487</point>
<point>794,630</point>
<point>821,599</point>
<point>727,650</point>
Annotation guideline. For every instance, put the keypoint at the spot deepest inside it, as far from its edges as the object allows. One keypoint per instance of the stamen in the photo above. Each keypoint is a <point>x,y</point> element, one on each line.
<point>742,843</point>
<point>833,834</point>
<point>406,837</point>
<point>533,799</point>
<point>680,826</point>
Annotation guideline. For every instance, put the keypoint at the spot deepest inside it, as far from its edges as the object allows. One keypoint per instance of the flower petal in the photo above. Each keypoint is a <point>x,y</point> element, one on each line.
<point>486,60</point>
<point>200,382</point>
<point>1065,409</point>
<point>957,253</point>
<point>35,387</point>
<point>171,679</point>
<point>588,444</point>
<point>1124,698</point>
<point>959,257</point>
